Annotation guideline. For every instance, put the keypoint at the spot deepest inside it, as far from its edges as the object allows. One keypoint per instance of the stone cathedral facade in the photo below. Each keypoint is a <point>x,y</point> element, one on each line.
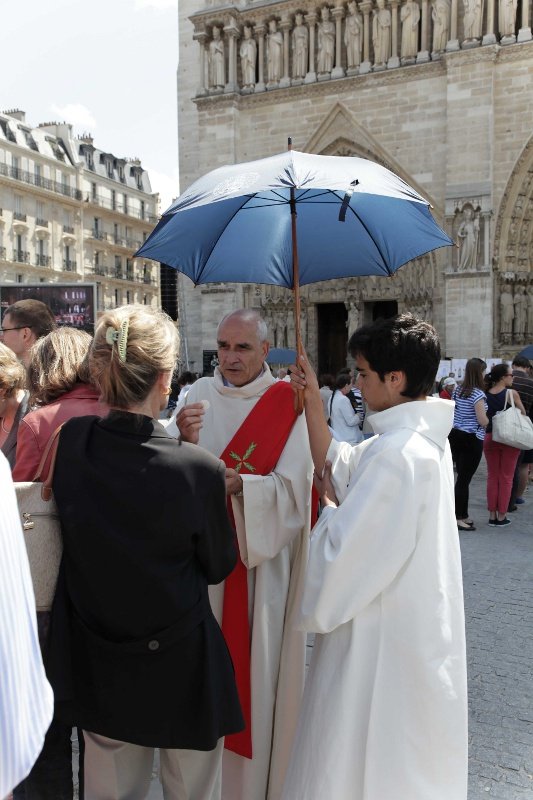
<point>439,91</point>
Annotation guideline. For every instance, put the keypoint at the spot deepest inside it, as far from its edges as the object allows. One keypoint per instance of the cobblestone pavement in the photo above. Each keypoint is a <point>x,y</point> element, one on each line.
<point>498,586</point>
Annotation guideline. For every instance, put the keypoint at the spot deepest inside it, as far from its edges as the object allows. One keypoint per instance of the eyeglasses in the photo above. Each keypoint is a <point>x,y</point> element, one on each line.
<point>17,328</point>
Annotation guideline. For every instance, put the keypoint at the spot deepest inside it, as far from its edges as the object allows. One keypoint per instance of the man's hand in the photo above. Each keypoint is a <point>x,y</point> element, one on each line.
<point>324,487</point>
<point>189,421</point>
<point>234,481</point>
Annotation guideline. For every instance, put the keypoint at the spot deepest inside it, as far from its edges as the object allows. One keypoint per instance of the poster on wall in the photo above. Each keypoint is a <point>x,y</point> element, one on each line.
<point>72,304</point>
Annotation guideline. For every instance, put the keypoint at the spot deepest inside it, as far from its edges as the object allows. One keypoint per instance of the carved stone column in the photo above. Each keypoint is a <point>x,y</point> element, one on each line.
<point>524,34</point>
<point>259,31</point>
<point>394,60</point>
<point>489,36</point>
<point>338,14</point>
<point>366,66</point>
<point>423,54</point>
<point>201,38</point>
<point>311,21</point>
<point>453,42</point>
<point>231,30</point>
<point>285,26</point>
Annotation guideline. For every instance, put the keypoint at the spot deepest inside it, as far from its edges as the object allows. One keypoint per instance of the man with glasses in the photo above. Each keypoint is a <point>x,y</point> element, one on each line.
<point>23,323</point>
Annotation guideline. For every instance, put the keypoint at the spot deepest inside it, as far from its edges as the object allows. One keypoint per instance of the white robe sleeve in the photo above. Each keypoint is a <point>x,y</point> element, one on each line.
<point>358,549</point>
<point>275,508</point>
<point>344,459</point>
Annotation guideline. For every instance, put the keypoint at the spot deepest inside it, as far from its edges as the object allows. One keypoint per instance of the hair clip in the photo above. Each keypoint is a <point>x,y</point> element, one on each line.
<point>119,337</point>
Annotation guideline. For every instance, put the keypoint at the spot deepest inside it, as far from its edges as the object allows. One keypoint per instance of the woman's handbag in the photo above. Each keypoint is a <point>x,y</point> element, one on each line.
<point>511,427</point>
<point>42,530</point>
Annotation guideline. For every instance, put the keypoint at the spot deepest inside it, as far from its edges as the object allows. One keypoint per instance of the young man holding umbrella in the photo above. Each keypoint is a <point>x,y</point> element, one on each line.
<point>249,421</point>
<point>384,713</point>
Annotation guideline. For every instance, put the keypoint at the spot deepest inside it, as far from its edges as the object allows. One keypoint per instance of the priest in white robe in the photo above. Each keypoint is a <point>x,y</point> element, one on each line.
<point>384,715</point>
<point>272,516</point>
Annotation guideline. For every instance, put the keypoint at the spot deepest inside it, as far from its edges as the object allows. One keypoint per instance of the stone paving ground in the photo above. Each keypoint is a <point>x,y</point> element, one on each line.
<point>498,586</point>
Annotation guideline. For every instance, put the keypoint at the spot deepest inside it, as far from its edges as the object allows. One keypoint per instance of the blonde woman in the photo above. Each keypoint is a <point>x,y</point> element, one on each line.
<point>13,401</point>
<point>145,530</point>
<point>60,388</point>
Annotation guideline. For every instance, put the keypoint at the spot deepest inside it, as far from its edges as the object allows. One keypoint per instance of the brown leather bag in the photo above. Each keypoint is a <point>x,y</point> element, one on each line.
<point>41,526</point>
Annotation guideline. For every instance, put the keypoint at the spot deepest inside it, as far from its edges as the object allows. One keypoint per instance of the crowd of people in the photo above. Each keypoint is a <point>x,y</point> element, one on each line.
<point>195,563</point>
<point>477,399</point>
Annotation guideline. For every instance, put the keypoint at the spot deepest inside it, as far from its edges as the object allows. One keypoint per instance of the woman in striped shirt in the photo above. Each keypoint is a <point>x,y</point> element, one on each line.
<point>466,437</point>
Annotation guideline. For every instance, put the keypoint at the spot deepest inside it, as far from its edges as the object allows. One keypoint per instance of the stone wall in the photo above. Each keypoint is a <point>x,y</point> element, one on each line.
<point>456,127</point>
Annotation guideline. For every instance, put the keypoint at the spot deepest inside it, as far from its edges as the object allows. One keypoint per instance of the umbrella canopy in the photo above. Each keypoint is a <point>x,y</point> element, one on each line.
<point>527,352</point>
<point>354,217</point>
<point>281,355</point>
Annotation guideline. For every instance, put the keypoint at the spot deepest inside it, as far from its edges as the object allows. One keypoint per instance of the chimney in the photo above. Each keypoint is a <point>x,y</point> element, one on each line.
<point>16,113</point>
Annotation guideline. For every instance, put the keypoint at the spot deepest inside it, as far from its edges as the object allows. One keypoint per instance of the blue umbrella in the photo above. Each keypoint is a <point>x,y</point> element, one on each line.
<point>236,223</point>
<point>281,355</point>
<point>527,352</point>
<point>293,219</point>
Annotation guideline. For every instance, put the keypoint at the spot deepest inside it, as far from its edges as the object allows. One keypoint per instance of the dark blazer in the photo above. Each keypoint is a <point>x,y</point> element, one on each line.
<point>145,528</point>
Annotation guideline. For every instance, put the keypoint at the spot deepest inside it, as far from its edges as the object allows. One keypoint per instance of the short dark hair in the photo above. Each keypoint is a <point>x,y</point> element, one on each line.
<point>400,343</point>
<point>326,379</point>
<point>185,378</point>
<point>32,314</point>
<point>521,361</point>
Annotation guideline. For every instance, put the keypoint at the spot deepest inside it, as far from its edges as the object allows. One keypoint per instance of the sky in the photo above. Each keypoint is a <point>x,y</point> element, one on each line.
<point>106,66</point>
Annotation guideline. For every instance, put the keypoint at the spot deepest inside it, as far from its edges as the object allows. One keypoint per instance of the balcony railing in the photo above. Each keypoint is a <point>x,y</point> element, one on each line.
<point>69,265</point>
<point>41,223</point>
<point>3,254</point>
<point>108,203</point>
<point>97,234</point>
<point>38,180</point>
<point>68,229</point>
<point>42,261</point>
<point>22,256</point>
<point>18,215</point>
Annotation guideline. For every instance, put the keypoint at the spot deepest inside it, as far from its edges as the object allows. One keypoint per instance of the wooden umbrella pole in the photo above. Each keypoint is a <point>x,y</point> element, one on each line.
<point>299,398</point>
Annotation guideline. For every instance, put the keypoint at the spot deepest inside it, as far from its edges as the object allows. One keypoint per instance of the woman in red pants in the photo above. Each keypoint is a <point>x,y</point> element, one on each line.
<point>501,458</point>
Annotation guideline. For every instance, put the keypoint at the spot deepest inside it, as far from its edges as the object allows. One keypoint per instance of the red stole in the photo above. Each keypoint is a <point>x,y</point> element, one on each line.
<point>254,450</point>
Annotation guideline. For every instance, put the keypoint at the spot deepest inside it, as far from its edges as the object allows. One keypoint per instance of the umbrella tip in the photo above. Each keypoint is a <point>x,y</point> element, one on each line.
<point>289,143</point>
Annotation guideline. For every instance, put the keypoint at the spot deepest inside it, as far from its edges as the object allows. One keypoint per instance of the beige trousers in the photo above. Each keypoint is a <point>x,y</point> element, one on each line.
<point>121,771</point>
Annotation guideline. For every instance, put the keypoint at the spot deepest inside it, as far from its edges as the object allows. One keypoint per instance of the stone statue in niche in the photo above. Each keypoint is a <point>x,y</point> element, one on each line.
<point>520,311</point>
<point>381,33</point>
<point>506,311</point>
<point>473,13</point>
<point>410,17</point>
<point>274,52</point>
<point>279,333</point>
<point>352,323</point>
<point>216,61</point>
<point>507,17</point>
<point>300,44</point>
<point>468,233</point>
<point>248,54</point>
<point>326,42</point>
<point>440,14</point>
<point>353,35</point>
<point>291,328</point>
<point>529,295</point>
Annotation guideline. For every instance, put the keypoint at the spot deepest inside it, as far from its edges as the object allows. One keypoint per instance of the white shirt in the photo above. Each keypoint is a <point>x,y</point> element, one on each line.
<point>343,420</point>
<point>26,699</point>
<point>384,715</point>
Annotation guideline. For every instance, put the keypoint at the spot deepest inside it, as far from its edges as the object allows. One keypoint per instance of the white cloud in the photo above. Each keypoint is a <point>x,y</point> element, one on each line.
<point>160,5</point>
<point>75,113</point>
